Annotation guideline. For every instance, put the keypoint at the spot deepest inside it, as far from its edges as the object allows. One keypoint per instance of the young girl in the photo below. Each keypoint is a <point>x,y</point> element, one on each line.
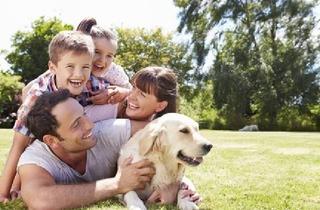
<point>103,66</point>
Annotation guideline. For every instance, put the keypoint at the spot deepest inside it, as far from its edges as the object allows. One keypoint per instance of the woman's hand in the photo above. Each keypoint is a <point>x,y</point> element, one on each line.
<point>189,194</point>
<point>165,195</point>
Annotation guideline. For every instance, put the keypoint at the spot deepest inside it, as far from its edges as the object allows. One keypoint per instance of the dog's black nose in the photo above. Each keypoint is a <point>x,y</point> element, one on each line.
<point>207,147</point>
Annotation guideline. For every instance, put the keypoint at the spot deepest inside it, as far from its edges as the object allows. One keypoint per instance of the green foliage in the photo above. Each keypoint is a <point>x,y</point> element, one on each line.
<point>10,87</point>
<point>139,48</point>
<point>264,61</point>
<point>292,119</point>
<point>200,109</point>
<point>29,57</point>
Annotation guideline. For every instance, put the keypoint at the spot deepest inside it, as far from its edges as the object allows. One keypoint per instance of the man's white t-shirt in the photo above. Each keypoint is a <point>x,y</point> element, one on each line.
<point>101,159</point>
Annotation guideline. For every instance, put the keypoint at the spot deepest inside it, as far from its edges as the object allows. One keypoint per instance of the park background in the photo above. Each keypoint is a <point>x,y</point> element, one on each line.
<point>239,62</point>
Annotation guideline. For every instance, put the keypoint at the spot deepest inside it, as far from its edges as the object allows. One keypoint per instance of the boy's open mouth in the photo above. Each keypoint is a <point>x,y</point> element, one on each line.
<point>75,83</point>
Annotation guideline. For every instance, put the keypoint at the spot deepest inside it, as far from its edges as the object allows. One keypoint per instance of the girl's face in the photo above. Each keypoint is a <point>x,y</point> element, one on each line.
<point>142,106</point>
<point>105,50</point>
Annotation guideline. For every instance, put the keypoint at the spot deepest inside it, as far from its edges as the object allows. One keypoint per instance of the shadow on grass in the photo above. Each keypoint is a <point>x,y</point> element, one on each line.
<point>111,204</point>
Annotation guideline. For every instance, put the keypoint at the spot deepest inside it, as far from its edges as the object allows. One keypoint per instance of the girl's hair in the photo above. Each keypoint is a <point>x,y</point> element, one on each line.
<point>161,82</point>
<point>89,26</point>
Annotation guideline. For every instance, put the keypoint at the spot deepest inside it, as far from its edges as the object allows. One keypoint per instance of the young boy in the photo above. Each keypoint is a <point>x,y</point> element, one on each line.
<point>71,55</point>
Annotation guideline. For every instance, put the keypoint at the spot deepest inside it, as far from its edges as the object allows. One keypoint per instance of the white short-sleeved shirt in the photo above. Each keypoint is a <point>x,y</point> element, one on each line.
<point>101,159</point>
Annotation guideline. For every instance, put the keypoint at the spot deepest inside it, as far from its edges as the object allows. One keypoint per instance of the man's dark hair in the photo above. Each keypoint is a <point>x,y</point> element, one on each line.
<point>40,120</point>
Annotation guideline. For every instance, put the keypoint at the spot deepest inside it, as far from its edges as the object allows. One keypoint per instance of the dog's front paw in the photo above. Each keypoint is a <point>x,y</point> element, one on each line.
<point>133,202</point>
<point>184,204</point>
<point>137,207</point>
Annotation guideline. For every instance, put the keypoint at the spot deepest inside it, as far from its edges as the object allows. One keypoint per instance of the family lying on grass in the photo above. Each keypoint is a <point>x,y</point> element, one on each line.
<point>71,111</point>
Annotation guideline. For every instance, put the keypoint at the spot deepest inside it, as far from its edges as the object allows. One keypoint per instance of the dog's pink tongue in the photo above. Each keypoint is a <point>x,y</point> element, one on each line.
<point>198,159</point>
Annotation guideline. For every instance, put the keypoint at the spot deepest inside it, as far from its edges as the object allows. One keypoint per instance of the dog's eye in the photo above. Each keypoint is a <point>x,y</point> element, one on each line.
<point>185,130</point>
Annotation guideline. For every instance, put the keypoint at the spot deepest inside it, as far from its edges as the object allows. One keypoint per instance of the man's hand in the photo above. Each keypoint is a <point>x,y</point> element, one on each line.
<point>133,176</point>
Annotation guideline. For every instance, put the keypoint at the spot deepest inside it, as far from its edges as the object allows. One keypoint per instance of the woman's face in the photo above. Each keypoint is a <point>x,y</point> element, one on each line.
<point>142,106</point>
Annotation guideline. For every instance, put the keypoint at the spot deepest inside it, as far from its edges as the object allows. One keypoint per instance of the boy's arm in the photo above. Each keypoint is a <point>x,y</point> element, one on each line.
<point>26,88</point>
<point>40,191</point>
<point>20,142</point>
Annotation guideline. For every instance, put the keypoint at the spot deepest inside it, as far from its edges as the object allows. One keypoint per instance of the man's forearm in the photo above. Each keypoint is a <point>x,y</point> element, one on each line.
<point>70,196</point>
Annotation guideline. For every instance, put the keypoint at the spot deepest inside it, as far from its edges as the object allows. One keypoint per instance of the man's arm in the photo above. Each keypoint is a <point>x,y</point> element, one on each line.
<point>39,190</point>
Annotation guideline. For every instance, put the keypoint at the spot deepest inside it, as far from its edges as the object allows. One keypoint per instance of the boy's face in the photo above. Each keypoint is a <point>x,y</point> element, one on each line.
<point>105,50</point>
<point>72,71</point>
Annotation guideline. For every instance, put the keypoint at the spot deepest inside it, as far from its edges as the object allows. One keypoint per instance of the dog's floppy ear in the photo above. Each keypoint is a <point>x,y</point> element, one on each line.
<point>151,140</point>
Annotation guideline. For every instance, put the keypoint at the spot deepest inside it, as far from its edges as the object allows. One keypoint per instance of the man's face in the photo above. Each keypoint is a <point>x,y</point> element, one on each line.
<point>75,128</point>
<point>72,71</point>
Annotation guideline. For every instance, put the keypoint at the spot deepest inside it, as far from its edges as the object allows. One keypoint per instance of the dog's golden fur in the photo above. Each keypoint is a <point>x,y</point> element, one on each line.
<point>171,142</point>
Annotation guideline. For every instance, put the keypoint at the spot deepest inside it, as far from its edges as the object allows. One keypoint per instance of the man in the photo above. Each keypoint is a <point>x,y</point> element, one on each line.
<point>60,168</point>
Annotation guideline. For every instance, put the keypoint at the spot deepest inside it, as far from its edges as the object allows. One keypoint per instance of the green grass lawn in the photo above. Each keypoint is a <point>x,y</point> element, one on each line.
<point>258,170</point>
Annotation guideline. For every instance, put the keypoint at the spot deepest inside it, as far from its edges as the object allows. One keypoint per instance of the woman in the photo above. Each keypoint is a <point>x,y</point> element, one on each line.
<point>155,93</point>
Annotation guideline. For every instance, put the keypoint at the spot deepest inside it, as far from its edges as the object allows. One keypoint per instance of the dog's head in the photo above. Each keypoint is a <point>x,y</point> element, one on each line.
<point>175,135</point>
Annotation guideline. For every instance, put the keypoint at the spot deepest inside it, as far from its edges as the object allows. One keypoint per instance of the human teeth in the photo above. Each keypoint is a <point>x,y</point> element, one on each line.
<point>76,83</point>
<point>132,106</point>
<point>87,136</point>
<point>99,67</point>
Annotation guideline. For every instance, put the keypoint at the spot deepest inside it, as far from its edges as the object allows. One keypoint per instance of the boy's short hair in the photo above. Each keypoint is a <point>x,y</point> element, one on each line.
<point>66,41</point>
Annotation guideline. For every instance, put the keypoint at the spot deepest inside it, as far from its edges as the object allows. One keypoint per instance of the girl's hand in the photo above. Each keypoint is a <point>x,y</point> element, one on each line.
<point>101,96</point>
<point>117,94</point>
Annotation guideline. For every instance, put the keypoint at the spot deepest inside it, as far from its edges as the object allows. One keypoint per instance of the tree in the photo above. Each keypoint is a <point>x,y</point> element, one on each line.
<point>10,87</point>
<point>29,57</point>
<point>139,48</point>
<point>264,55</point>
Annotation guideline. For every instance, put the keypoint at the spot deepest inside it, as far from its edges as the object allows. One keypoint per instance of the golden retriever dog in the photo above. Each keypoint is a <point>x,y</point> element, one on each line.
<point>171,142</point>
